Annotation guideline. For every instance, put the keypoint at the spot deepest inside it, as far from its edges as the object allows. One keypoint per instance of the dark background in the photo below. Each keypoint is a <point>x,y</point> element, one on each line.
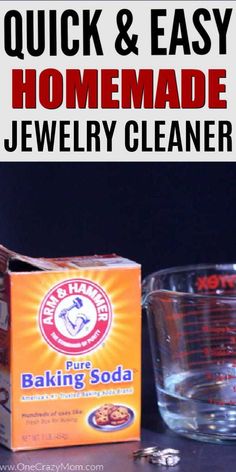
<point>155,213</point>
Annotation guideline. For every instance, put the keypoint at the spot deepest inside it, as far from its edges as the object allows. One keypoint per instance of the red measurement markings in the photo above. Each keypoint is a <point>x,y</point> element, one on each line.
<point>224,320</point>
<point>218,333</point>
<point>210,338</point>
<point>200,300</point>
<point>214,401</point>
<point>217,329</point>
<point>201,312</point>
<point>218,351</point>
<point>202,322</point>
<point>213,352</point>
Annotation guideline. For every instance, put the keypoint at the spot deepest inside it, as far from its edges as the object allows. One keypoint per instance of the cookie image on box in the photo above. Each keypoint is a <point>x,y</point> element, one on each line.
<point>119,415</point>
<point>102,417</point>
<point>110,417</point>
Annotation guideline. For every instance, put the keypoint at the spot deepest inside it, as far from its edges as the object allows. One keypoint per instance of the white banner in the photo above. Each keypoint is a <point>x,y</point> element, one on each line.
<point>117,81</point>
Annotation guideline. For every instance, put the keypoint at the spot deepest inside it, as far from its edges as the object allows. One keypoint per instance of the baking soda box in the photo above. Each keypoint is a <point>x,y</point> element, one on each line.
<point>70,342</point>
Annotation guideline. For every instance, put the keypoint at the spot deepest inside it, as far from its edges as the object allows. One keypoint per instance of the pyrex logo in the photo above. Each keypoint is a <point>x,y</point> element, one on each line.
<point>75,316</point>
<point>214,281</point>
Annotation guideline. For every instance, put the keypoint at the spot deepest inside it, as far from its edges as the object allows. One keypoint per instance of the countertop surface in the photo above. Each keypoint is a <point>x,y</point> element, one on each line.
<point>195,457</point>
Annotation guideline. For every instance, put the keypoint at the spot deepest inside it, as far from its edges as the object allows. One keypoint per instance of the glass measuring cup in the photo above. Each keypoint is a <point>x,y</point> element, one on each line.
<point>192,325</point>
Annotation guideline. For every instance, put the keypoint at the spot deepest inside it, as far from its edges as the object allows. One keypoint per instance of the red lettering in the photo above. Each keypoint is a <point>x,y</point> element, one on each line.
<point>51,88</point>
<point>230,279</point>
<point>222,279</point>
<point>137,90</point>
<point>213,282</point>
<point>216,88</point>
<point>108,88</point>
<point>193,88</point>
<point>167,90</point>
<point>24,86</point>
<point>90,88</point>
<point>227,280</point>
<point>81,91</point>
<point>202,283</point>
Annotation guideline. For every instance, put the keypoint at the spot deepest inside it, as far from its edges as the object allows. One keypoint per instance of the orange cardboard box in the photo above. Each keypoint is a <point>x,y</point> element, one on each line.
<point>70,349</point>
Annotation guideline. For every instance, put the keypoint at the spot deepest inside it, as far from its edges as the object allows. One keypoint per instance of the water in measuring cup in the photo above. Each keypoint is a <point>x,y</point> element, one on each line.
<point>201,404</point>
